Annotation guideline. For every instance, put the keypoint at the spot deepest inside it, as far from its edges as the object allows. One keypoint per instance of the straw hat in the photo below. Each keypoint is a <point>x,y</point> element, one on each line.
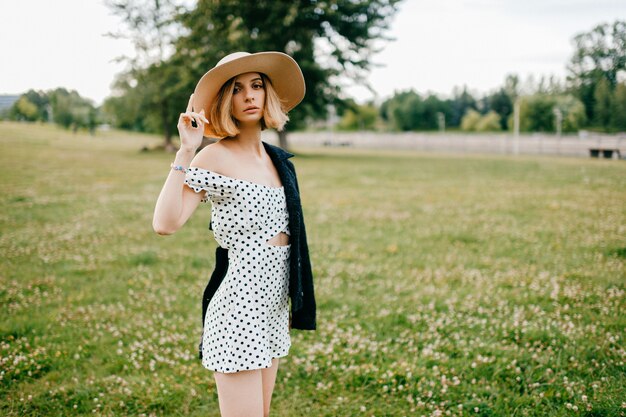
<point>282,70</point>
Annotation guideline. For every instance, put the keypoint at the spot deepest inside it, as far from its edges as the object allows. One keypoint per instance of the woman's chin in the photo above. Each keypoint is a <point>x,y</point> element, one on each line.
<point>249,120</point>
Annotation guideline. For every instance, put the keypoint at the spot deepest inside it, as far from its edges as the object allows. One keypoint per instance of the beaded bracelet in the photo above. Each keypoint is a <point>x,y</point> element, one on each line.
<point>178,167</point>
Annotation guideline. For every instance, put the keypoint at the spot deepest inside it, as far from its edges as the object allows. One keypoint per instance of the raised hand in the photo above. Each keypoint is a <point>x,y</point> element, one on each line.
<point>190,136</point>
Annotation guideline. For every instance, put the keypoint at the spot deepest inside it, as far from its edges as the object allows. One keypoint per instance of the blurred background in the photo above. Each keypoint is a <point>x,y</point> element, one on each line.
<point>498,68</point>
<point>462,179</point>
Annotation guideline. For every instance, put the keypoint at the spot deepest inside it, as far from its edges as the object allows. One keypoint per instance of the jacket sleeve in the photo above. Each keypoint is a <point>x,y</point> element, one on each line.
<point>219,272</point>
<point>305,318</point>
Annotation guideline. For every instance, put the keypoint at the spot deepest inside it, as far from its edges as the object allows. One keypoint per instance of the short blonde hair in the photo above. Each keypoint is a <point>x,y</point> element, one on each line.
<point>221,115</point>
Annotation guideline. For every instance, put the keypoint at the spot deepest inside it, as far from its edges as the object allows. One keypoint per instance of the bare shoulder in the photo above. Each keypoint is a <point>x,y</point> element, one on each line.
<point>212,157</point>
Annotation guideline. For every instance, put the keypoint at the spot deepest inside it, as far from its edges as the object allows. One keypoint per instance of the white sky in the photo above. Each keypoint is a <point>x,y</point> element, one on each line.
<point>439,44</point>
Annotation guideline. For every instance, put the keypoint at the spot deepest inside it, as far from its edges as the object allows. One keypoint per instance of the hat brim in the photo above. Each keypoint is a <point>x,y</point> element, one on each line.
<point>283,71</point>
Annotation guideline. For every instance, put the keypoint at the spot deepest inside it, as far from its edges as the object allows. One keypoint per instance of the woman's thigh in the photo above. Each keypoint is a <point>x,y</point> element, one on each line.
<point>269,379</point>
<point>240,394</point>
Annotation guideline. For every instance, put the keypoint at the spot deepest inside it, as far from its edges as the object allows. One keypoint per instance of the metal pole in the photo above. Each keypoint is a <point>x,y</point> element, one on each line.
<point>331,121</point>
<point>441,119</point>
<point>558,120</point>
<point>516,127</point>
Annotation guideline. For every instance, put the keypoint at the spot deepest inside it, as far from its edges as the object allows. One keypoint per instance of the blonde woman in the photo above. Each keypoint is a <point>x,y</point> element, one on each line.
<point>262,261</point>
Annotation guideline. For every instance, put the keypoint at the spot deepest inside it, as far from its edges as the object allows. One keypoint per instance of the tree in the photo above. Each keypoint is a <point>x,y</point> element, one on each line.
<point>407,110</point>
<point>150,26</point>
<point>511,86</point>
<point>573,111</point>
<point>403,110</point>
<point>462,101</point>
<point>618,120</point>
<point>67,108</point>
<point>599,54</point>
<point>489,122</point>
<point>602,98</point>
<point>41,100</point>
<point>432,106</point>
<point>70,110</point>
<point>24,109</point>
<point>359,117</point>
<point>123,109</point>
<point>536,113</point>
<point>152,79</point>
<point>327,39</point>
<point>470,120</point>
<point>501,103</point>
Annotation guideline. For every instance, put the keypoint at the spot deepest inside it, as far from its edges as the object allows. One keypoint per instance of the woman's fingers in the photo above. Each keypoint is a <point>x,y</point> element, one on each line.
<point>190,115</point>
<point>199,116</point>
<point>195,116</point>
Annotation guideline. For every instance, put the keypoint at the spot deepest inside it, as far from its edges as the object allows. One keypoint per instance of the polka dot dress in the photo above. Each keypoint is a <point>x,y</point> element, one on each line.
<point>247,320</point>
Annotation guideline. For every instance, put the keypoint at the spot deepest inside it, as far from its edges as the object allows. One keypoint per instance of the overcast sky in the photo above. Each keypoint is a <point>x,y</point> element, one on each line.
<point>439,44</point>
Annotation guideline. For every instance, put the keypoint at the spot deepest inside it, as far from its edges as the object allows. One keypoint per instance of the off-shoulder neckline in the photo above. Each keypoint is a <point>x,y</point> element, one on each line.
<point>238,179</point>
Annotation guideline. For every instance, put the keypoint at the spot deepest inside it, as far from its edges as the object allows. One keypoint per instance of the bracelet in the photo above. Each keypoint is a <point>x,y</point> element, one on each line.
<point>178,167</point>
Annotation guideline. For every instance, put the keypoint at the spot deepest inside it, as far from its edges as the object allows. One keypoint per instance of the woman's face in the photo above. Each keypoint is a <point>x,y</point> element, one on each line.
<point>248,98</point>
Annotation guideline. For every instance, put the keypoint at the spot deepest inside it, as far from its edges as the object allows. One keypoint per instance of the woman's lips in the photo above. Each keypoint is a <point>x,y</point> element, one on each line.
<point>251,110</point>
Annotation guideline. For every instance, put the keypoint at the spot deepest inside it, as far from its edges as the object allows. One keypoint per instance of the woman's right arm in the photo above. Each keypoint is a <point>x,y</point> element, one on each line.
<point>176,202</point>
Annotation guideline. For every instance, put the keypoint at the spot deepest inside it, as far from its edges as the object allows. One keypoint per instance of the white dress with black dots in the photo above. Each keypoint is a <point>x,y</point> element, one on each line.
<point>247,319</point>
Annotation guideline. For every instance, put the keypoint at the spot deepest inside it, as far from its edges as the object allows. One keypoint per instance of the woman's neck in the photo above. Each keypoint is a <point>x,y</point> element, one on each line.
<point>249,140</point>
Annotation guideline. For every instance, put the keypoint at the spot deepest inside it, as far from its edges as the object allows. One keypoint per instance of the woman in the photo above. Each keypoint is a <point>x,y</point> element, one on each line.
<point>262,260</point>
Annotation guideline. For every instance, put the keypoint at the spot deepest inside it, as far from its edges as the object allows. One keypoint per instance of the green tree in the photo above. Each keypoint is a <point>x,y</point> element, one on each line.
<point>602,103</point>
<point>462,101</point>
<point>152,85</point>
<point>402,110</point>
<point>24,109</point>
<point>345,29</point>
<point>359,117</point>
<point>123,109</point>
<point>406,110</point>
<point>70,110</point>
<point>573,111</point>
<point>501,103</point>
<point>432,106</point>
<point>512,86</point>
<point>470,120</point>
<point>599,54</point>
<point>66,108</point>
<point>489,122</point>
<point>536,113</point>
<point>618,120</point>
<point>41,100</point>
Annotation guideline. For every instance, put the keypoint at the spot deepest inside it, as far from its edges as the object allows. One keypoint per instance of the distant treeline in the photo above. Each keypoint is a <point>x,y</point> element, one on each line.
<point>545,109</point>
<point>63,107</point>
<point>593,97</point>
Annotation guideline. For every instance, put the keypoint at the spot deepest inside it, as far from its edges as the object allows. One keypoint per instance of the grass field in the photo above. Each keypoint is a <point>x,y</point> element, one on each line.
<point>446,285</point>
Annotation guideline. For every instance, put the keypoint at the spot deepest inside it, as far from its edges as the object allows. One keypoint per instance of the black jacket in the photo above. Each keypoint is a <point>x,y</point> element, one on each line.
<point>301,291</point>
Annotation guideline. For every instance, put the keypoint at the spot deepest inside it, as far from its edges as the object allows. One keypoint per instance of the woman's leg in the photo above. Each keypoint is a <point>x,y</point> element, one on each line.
<point>269,378</point>
<point>240,394</point>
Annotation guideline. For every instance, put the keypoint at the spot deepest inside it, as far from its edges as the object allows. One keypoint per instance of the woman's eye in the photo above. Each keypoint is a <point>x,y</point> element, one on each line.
<point>258,86</point>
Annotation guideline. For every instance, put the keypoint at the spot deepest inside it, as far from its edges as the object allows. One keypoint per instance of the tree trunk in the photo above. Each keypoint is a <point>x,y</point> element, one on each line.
<point>282,140</point>
<point>167,130</point>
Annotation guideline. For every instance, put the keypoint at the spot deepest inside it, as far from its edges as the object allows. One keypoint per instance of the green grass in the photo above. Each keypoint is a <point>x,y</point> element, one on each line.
<point>468,284</point>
